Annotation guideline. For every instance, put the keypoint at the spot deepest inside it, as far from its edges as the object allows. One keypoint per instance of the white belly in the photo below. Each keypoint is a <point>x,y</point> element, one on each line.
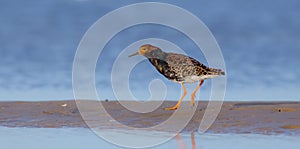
<point>192,79</point>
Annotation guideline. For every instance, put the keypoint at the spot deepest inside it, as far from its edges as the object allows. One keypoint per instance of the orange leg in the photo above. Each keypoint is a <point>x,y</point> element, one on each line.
<point>180,142</point>
<point>180,100</point>
<point>193,140</point>
<point>194,93</point>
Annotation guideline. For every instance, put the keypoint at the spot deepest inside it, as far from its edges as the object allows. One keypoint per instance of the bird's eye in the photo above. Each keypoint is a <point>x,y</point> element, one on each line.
<point>144,49</point>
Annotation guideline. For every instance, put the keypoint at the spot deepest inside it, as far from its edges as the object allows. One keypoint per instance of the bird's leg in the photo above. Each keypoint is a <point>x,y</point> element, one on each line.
<point>193,140</point>
<point>180,142</point>
<point>194,93</point>
<point>180,100</point>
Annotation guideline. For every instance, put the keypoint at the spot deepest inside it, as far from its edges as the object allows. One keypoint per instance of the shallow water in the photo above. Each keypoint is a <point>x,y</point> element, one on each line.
<point>259,41</point>
<point>77,138</point>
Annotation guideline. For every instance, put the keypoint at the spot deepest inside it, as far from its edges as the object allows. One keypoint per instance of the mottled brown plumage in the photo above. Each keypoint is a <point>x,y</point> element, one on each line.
<point>181,68</point>
<point>178,68</point>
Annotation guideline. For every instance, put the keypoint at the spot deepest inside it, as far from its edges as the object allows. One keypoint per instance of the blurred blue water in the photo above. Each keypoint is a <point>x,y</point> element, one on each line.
<point>77,138</point>
<point>259,41</point>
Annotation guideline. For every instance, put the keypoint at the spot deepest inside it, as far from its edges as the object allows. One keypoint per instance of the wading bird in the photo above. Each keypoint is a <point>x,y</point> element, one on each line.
<point>178,68</point>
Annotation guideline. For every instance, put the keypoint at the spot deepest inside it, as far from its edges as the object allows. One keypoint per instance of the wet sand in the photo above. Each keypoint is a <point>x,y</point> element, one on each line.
<point>235,117</point>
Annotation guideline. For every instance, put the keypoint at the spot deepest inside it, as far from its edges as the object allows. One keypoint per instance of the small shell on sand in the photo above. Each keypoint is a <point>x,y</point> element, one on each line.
<point>64,105</point>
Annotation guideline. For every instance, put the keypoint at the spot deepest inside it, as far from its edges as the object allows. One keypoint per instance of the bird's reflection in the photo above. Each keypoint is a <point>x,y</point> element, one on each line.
<point>182,144</point>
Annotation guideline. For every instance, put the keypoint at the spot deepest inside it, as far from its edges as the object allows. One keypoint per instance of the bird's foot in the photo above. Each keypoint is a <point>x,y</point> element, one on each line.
<point>192,104</point>
<point>173,108</point>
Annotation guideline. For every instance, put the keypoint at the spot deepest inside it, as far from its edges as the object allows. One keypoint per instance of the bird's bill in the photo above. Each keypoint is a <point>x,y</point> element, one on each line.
<point>134,54</point>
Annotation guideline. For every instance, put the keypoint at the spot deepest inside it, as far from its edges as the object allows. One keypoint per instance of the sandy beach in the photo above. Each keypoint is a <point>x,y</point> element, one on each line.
<point>235,117</point>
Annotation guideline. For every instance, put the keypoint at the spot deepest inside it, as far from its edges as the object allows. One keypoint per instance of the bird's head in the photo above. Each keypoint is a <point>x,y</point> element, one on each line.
<point>148,51</point>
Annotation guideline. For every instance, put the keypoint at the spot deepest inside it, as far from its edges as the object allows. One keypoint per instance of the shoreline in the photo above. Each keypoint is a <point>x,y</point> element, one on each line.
<point>241,117</point>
